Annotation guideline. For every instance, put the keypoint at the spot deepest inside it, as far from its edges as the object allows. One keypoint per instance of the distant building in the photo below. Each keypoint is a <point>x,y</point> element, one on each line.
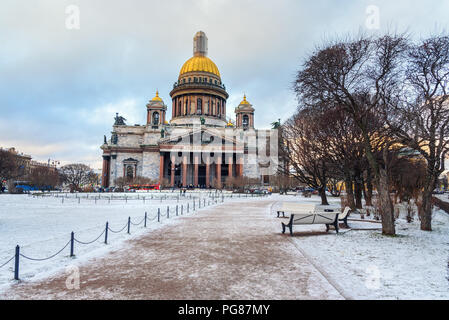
<point>26,164</point>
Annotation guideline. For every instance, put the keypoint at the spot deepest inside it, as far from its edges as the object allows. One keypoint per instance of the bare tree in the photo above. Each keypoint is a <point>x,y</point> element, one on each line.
<point>44,177</point>
<point>360,76</point>
<point>305,154</point>
<point>425,115</point>
<point>9,166</point>
<point>76,175</point>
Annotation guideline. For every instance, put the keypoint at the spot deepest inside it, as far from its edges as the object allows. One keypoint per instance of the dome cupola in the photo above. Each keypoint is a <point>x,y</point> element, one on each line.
<point>199,96</point>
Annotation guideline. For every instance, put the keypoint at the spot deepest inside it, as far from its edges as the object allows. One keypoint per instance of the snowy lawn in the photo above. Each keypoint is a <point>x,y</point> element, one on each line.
<point>368,265</point>
<point>42,226</point>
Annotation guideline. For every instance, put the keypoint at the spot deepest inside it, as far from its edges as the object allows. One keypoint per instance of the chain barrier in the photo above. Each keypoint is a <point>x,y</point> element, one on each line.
<point>126,225</point>
<point>43,259</point>
<point>7,262</point>
<point>155,217</point>
<point>136,224</point>
<point>81,242</point>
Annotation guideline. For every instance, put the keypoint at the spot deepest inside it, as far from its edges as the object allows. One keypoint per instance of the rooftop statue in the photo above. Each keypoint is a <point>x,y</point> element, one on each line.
<point>119,120</point>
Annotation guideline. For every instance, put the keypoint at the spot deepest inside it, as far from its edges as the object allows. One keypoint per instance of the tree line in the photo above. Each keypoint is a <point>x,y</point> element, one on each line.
<point>13,169</point>
<point>372,112</point>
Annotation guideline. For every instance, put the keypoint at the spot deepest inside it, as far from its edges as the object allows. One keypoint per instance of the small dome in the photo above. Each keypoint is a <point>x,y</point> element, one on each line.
<point>244,100</point>
<point>199,64</point>
<point>157,98</point>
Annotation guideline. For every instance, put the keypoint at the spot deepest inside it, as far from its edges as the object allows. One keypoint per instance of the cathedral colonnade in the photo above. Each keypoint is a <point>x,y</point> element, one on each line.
<point>198,169</point>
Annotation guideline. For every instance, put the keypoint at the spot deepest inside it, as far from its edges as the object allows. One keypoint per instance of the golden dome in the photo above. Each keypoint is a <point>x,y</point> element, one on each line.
<point>157,98</point>
<point>244,100</point>
<point>199,64</point>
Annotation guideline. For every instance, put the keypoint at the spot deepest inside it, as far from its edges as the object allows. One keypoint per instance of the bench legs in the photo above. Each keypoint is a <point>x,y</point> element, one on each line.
<point>335,224</point>
<point>345,221</point>
<point>289,226</point>
<point>279,213</point>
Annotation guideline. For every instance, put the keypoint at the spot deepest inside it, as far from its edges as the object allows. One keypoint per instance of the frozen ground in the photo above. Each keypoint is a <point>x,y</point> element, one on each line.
<point>230,251</point>
<point>367,265</point>
<point>42,226</point>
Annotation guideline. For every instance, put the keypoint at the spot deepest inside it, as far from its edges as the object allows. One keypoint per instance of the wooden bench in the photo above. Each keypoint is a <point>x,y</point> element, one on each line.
<point>304,214</point>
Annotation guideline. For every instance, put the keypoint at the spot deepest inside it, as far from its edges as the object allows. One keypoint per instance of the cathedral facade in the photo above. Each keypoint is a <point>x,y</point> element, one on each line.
<point>199,146</point>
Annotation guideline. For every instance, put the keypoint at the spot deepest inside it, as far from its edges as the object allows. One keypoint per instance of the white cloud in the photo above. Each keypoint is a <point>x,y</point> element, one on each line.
<point>62,87</point>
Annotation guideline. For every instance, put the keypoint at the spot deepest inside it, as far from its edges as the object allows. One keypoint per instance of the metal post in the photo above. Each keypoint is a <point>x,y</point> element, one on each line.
<point>145,219</point>
<point>79,199</point>
<point>193,205</point>
<point>106,233</point>
<point>72,242</point>
<point>204,200</point>
<point>168,212</point>
<point>126,199</point>
<point>187,207</point>
<point>129,223</point>
<point>176,210</point>
<point>16,264</point>
<point>159,215</point>
<point>182,208</point>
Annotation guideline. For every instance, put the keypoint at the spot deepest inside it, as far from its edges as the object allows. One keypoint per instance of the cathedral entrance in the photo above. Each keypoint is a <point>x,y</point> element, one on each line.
<point>202,175</point>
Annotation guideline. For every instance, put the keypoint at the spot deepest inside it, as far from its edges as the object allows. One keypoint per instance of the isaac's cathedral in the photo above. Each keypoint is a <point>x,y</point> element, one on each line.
<point>199,146</point>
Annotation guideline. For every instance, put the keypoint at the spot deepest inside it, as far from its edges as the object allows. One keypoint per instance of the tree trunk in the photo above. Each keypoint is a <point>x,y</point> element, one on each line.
<point>322,192</point>
<point>369,189</point>
<point>385,205</point>
<point>426,210</point>
<point>349,193</point>
<point>383,190</point>
<point>358,186</point>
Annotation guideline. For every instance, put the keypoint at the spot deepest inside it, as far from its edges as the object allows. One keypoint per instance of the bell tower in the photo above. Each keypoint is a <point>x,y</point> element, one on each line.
<point>156,112</point>
<point>245,115</point>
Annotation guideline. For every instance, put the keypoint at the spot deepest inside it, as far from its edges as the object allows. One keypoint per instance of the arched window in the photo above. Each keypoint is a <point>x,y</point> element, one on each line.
<point>155,118</point>
<point>179,109</point>
<point>186,107</point>
<point>218,109</point>
<point>245,121</point>
<point>129,172</point>
<point>199,106</point>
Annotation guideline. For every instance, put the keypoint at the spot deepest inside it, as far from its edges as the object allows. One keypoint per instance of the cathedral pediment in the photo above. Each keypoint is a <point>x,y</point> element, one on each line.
<point>197,137</point>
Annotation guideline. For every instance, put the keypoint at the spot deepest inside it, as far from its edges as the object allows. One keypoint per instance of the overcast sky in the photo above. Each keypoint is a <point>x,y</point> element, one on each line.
<point>60,87</point>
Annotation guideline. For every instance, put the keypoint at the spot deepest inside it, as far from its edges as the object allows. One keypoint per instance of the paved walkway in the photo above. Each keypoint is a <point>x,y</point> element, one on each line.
<point>231,251</point>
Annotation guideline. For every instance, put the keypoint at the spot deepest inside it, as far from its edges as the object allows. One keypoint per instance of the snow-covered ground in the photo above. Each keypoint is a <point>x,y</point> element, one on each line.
<point>367,265</point>
<point>363,263</point>
<point>41,226</point>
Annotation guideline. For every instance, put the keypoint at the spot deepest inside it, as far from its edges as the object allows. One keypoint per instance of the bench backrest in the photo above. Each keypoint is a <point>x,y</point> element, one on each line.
<point>292,207</point>
<point>344,214</point>
<point>314,218</point>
